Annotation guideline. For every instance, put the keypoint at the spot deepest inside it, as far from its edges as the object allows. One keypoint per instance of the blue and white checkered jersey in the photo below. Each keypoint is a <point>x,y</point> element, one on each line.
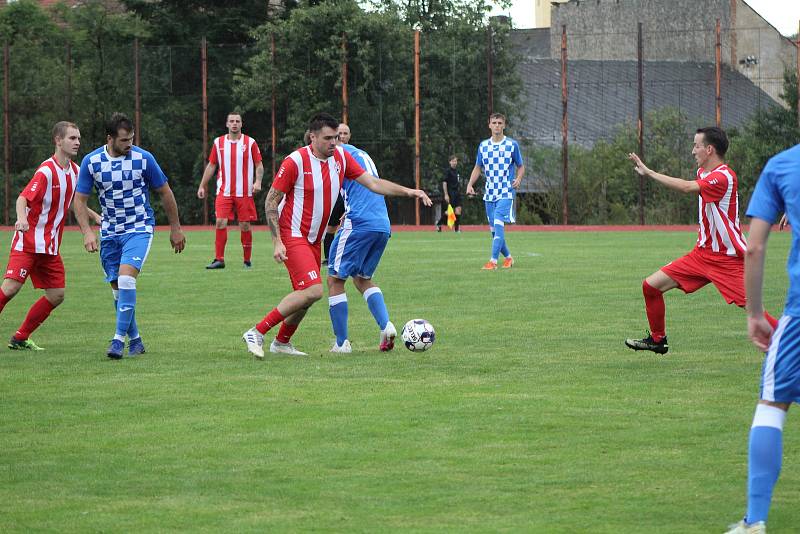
<point>778,191</point>
<point>499,162</point>
<point>363,208</point>
<point>123,187</point>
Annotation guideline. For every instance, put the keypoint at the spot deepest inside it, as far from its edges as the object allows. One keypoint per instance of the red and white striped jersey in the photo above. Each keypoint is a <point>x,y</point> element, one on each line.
<point>236,161</point>
<point>719,212</point>
<point>49,195</point>
<point>311,186</point>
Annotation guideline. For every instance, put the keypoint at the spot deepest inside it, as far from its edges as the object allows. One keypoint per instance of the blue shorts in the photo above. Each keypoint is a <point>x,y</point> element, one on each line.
<point>501,210</point>
<point>356,252</point>
<point>131,249</point>
<point>780,374</point>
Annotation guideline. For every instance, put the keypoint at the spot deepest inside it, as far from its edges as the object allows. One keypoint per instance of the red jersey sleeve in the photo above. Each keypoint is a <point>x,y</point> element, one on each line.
<point>713,186</point>
<point>286,176</point>
<point>212,156</point>
<point>255,153</point>
<point>352,168</point>
<point>34,191</point>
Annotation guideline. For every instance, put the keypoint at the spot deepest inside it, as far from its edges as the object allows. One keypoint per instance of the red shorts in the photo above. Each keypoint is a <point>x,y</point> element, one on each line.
<point>698,268</point>
<point>302,262</point>
<point>243,207</point>
<point>46,271</point>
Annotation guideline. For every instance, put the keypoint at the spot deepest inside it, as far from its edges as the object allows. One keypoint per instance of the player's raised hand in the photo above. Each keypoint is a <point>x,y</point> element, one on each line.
<point>90,241</point>
<point>21,225</point>
<point>201,192</point>
<point>279,252</point>
<point>178,240</point>
<point>760,332</point>
<point>639,166</point>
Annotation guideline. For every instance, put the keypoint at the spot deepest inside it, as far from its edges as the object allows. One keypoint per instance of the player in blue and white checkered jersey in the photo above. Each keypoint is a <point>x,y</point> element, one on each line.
<point>501,161</point>
<point>122,175</point>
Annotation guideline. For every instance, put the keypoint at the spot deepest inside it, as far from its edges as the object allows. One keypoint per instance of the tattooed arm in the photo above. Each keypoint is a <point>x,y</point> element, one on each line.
<point>274,198</point>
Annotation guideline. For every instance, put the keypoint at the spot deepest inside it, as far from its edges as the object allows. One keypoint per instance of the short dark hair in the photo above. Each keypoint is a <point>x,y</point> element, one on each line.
<point>232,113</point>
<point>497,116</point>
<point>320,120</point>
<point>117,122</point>
<point>715,137</point>
<point>60,129</point>
<point>452,157</point>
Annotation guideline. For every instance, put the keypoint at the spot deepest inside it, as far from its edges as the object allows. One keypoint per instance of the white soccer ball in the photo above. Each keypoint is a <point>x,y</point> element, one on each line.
<point>418,335</point>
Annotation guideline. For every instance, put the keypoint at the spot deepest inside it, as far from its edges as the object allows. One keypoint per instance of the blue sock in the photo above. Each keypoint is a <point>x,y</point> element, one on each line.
<point>764,462</point>
<point>133,329</point>
<point>504,251</point>
<point>125,306</point>
<point>499,239</point>
<point>376,305</point>
<point>338,310</point>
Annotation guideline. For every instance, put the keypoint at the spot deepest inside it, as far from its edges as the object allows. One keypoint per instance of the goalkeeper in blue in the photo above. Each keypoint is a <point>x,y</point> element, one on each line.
<point>776,192</point>
<point>355,252</point>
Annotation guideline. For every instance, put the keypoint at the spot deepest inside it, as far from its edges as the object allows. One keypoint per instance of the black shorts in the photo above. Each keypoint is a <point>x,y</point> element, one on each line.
<point>455,200</point>
<point>337,212</point>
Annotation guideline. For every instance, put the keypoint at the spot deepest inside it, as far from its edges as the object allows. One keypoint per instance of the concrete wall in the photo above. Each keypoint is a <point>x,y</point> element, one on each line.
<point>674,30</point>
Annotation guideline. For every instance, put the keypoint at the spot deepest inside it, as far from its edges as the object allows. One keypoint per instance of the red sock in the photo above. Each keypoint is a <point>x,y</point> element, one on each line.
<point>286,332</point>
<point>773,322</point>
<point>36,315</point>
<point>4,299</point>
<point>219,244</point>
<point>247,244</point>
<point>654,305</point>
<point>272,318</point>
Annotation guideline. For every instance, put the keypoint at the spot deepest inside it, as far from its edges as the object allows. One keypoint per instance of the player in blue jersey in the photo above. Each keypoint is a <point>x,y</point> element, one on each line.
<point>776,192</point>
<point>501,161</point>
<point>123,175</point>
<point>355,252</point>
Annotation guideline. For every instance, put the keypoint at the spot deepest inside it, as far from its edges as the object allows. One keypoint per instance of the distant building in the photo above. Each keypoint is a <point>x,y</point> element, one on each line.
<point>541,12</point>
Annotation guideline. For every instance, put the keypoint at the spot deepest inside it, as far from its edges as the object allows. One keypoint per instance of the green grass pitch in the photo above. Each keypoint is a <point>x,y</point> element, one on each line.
<point>527,415</point>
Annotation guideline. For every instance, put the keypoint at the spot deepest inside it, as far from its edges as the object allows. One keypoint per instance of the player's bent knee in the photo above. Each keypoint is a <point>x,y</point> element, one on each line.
<point>314,293</point>
<point>54,296</point>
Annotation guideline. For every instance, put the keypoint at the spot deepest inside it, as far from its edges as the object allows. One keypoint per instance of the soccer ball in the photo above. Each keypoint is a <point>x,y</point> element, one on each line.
<point>418,335</point>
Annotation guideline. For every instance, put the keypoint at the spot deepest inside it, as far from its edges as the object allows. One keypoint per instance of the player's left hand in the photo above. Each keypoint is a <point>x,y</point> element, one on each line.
<point>256,187</point>
<point>760,332</point>
<point>516,182</point>
<point>177,240</point>
<point>420,194</point>
<point>21,225</point>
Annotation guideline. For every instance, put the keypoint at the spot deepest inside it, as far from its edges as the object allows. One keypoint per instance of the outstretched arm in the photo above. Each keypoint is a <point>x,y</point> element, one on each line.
<point>677,184</point>
<point>391,189</point>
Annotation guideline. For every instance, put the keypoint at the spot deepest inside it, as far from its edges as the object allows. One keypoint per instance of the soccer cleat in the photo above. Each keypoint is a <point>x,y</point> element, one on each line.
<point>490,266</point>
<point>508,263</point>
<point>135,347</point>
<point>743,528</point>
<point>284,348</point>
<point>648,344</point>
<point>387,337</point>
<point>248,265</point>
<point>22,344</point>
<point>438,227</point>
<point>115,349</point>
<point>345,347</point>
<point>255,342</point>
<point>216,264</point>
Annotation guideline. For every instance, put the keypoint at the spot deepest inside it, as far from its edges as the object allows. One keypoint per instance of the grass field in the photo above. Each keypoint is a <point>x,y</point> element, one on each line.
<point>527,415</point>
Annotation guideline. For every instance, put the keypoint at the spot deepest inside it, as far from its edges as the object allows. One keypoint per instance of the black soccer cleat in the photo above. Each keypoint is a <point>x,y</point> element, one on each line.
<point>216,264</point>
<point>648,344</point>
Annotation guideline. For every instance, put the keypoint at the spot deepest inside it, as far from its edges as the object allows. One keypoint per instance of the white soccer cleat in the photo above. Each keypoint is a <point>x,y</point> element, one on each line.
<point>284,348</point>
<point>255,342</point>
<point>743,528</point>
<point>344,349</point>
<point>387,337</point>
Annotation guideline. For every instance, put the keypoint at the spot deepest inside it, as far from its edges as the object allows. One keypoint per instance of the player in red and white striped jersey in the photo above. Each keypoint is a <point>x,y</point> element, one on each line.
<point>718,255</point>
<point>298,206</point>
<point>238,159</point>
<point>41,212</point>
